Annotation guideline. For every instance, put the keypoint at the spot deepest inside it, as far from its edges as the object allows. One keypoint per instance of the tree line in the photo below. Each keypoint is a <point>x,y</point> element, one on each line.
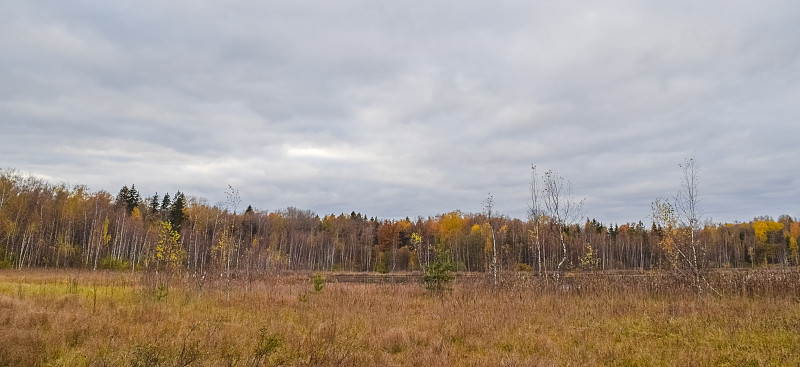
<point>55,225</point>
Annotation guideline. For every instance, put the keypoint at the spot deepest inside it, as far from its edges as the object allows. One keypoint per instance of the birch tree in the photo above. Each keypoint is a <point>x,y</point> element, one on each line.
<point>227,248</point>
<point>488,206</point>
<point>535,217</point>
<point>563,209</point>
<point>684,217</point>
<point>687,203</point>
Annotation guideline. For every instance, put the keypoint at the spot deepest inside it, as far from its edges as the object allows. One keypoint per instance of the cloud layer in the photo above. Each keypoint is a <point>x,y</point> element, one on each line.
<point>408,108</point>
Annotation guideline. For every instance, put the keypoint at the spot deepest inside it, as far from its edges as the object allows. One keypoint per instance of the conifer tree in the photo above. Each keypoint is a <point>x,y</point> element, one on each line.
<point>165,204</point>
<point>129,198</point>
<point>133,198</point>
<point>154,204</point>
<point>176,214</point>
<point>122,196</point>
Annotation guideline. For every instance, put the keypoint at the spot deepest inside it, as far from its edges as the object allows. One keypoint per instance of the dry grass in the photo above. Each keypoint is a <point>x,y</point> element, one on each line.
<point>73,318</point>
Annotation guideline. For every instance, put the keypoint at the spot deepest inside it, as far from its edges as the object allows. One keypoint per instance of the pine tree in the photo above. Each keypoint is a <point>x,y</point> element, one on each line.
<point>439,272</point>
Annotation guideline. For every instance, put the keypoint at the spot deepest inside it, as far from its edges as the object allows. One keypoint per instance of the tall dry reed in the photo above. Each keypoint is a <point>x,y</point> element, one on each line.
<point>61,318</point>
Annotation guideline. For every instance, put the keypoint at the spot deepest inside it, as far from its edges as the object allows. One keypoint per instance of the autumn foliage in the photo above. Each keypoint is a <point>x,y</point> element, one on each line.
<point>56,226</point>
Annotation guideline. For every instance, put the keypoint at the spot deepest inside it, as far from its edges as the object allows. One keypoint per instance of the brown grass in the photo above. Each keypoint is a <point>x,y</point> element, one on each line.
<point>74,318</point>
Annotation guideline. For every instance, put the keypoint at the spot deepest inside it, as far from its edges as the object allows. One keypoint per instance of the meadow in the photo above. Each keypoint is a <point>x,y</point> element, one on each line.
<point>101,318</point>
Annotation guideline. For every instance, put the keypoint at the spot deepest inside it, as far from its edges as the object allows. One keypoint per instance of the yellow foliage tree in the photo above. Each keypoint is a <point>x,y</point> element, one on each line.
<point>105,238</point>
<point>223,254</point>
<point>404,225</point>
<point>450,225</point>
<point>169,254</point>
<point>765,250</point>
<point>664,216</point>
<point>223,251</point>
<point>761,227</point>
<point>136,214</point>
<point>590,261</point>
<point>794,229</point>
<point>416,244</point>
<point>476,229</point>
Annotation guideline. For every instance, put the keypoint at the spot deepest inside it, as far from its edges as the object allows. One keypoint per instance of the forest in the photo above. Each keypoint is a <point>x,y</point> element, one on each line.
<point>102,279</point>
<point>57,226</point>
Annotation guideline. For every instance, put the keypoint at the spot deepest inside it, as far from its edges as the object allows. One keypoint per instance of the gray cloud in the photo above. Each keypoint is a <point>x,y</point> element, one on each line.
<point>399,109</point>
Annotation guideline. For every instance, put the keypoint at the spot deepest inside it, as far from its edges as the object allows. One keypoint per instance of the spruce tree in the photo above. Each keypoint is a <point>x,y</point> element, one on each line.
<point>176,214</point>
<point>122,197</point>
<point>439,272</point>
<point>165,204</point>
<point>154,204</point>
<point>128,198</point>
<point>133,198</point>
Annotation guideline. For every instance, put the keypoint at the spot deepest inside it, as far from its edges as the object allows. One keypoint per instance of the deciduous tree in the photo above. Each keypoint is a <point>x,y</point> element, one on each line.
<point>562,208</point>
<point>168,254</point>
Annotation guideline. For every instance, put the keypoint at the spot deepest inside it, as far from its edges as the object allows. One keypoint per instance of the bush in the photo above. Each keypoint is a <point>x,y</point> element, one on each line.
<point>522,267</point>
<point>265,345</point>
<point>110,263</point>
<point>4,264</point>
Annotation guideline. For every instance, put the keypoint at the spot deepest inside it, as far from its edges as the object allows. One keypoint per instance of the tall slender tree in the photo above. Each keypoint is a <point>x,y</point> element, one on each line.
<point>562,208</point>
<point>687,203</point>
<point>535,217</point>
<point>488,208</point>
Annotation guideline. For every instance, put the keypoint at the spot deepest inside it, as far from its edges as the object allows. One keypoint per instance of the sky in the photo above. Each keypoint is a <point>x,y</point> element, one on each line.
<point>408,108</point>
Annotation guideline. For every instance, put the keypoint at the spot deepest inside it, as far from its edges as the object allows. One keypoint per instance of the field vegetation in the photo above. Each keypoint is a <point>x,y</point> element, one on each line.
<point>91,279</point>
<point>110,318</point>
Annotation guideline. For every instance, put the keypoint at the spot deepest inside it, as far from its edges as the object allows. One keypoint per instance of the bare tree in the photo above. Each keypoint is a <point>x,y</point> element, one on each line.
<point>683,217</point>
<point>535,217</point>
<point>562,208</point>
<point>488,206</point>
<point>687,203</point>
<point>227,245</point>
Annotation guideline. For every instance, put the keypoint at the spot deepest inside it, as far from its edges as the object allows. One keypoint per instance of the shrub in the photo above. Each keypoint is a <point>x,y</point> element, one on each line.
<point>522,267</point>
<point>110,263</point>
<point>265,345</point>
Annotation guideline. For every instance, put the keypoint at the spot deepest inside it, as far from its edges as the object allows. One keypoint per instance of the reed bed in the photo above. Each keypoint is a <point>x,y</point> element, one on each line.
<point>83,318</point>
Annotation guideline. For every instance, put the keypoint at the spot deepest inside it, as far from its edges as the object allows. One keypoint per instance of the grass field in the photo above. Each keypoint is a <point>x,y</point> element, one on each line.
<point>81,318</point>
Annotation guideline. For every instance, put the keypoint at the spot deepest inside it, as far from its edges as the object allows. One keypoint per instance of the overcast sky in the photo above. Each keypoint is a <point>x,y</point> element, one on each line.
<point>408,108</point>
